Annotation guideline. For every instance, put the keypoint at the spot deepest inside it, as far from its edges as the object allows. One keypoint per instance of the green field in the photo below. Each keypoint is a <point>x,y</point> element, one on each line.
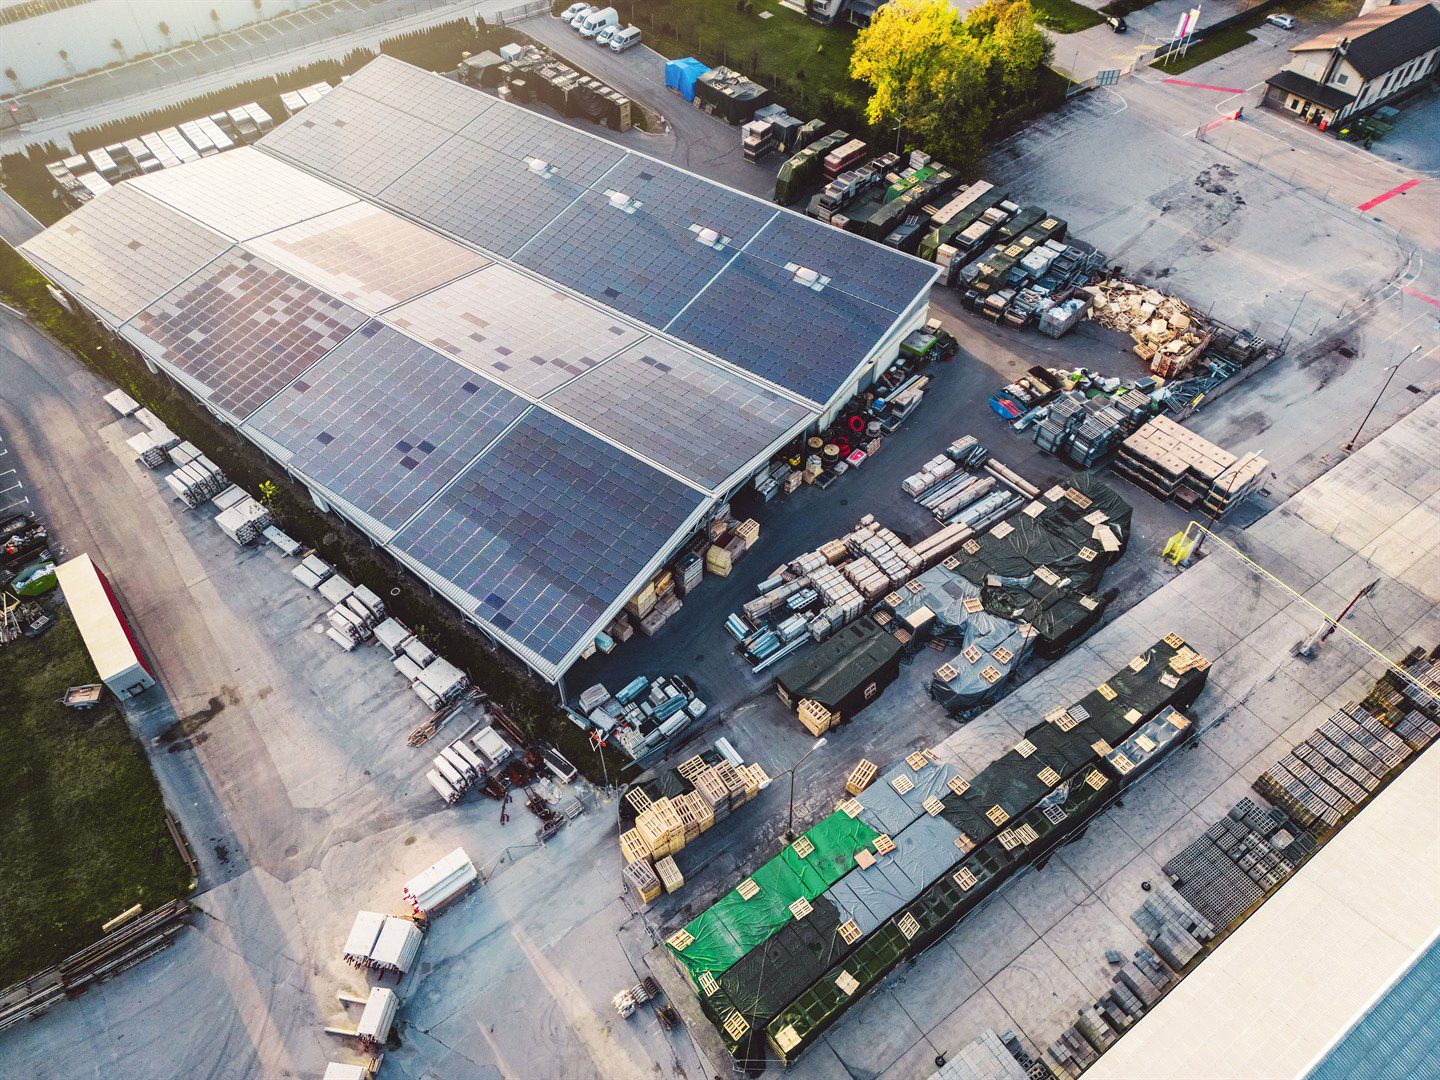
<point>1206,50</point>
<point>81,817</point>
<point>806,64</point>
<point>1065,16</point>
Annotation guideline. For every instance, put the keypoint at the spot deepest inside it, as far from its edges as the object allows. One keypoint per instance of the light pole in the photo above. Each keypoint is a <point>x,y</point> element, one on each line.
<point>1385,386</point>
<point>790,828</point>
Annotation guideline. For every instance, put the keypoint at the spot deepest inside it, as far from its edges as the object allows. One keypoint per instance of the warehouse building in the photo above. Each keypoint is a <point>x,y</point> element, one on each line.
<point>526,361</point>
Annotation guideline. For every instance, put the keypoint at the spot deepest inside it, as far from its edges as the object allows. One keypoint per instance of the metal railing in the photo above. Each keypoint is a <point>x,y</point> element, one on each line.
<point>521,13</point>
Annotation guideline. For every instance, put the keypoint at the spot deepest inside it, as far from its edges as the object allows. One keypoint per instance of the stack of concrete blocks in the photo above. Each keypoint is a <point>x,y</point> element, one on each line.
<point>1136,986</point>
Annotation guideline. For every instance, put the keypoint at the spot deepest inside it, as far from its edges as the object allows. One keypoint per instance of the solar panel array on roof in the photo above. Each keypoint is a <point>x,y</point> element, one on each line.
<point>515,329</point>
<point>124,252</point>
<point>243,193</point>
<point>243,329</point>
<point>690,415</point>
<point>638,241</point>
<point>384,423</point>
<point>367,256</point>
<point>546,530</point>
<point>621,228</point>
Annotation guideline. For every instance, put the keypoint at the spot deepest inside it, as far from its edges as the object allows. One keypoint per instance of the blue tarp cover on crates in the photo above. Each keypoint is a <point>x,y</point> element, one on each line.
<point>680,76</point>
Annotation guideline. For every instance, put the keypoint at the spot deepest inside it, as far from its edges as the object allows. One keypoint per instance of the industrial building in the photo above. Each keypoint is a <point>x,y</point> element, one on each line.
<point>526,361</point>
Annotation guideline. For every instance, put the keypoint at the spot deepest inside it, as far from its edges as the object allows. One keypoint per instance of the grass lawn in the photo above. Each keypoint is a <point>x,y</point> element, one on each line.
<point>1065,16</point>
<point>784,51</point>
<point>81,817</point>
<point>1208,49</point>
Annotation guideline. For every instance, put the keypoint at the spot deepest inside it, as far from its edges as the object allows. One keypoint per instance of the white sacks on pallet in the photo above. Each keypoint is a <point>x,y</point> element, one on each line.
<point>398,945</point>
<point>432,889</point>
<point>363,935</point>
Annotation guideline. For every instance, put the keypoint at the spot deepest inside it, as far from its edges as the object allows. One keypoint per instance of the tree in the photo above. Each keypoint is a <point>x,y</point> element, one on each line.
<point>927,76</point>
<point>1018,47</point>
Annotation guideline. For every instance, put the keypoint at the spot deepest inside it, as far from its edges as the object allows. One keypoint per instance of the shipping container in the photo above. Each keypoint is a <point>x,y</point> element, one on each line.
<point>102,625</point>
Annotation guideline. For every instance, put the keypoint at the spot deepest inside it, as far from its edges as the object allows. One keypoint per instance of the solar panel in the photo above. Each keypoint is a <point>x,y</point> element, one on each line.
<point>123,250</point>
<point>384,423</point>
<point>367,256</point>
<point>485,187</point>
<point>758,316</point>
<point>681,411</point>
<point>419,93</point>
<point>243,193</point>
<point>546,530</point>
<point>645,239</point>
<point>355,140</point>
<point>515,329</point>
<point>243,329</point>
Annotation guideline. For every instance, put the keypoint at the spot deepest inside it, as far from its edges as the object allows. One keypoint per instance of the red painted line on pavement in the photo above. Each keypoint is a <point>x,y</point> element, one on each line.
<point>1419,295</point>
<point>1206,86</point>
<point>1388,195</point>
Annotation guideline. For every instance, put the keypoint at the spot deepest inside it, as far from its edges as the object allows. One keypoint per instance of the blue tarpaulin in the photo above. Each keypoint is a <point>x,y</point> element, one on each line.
<point>680,76</point>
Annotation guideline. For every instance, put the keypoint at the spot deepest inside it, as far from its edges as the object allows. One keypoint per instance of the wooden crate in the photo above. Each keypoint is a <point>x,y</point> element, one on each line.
<point>712,789</point>
<point>643,882</point>
<point>691,768</point>
<point>633,846</point>
<point>749,531</point>
<point>861,777</point>
<point>717,561</point>
<point>700,808</point>
<point>814,717</point>
<point>752,777</point>
<point>689,807</point>
<point>661,828</point>
<point>670,875</point>
<point>733,782</point>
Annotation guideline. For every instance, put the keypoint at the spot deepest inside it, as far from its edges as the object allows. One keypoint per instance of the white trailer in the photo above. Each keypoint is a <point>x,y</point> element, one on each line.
<point>443,788</point>
<point>103,627</point>
<point>447,769</point>
<point>441,883</point>
<point>339,1070</point>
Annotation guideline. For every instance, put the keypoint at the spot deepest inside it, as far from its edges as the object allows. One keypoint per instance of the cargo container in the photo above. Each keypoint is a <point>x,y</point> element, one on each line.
<point>102,625</point>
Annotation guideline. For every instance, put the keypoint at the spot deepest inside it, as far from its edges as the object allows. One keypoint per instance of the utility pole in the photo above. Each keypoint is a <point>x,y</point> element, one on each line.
<point>790,828</point>
<point>1307,648</point>
<point>1384,386</point>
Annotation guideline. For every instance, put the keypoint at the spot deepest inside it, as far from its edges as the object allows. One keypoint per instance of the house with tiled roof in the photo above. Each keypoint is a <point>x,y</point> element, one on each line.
<point>1358,65</point>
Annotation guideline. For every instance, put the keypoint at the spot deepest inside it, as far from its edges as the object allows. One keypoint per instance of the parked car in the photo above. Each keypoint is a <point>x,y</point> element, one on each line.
<point>578,19</point>
<point>573,10</point>
<point>623,39</point>
<point>606,35</point>
<point>1284,22</point>
<point>1116,24</point>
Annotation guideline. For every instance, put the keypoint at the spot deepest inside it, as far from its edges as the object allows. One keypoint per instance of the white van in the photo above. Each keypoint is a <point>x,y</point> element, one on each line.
<point>623,39</point>
<point>598,20</point>
<point>578,19</point>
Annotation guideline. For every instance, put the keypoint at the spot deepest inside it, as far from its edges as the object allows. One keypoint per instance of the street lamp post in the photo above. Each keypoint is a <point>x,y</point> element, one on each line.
<point>1385,386</point>
<point>790,828</point>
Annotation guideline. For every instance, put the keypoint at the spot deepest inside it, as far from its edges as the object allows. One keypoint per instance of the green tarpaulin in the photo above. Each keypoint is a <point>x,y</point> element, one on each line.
<point>733,926</point>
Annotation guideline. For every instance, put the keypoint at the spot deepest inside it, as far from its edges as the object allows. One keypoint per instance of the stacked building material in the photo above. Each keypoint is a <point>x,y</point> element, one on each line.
<point>312,572</point>
<point>397,946</point>
<point>283,541</point>
<point>643,716</point>
<point>896,867</point>
<point>659,816</point>
<point>1172,462</point>
<point>1135,986</point>
<point>197,481</point>
<point>363,935</point>
<point>987,1058</point>
<point>1168,334</point>
<point>244,522</point>
<point>1173,927</point>
<point>432,890</point>
<point>643,881</point>
<point>1224,873</point>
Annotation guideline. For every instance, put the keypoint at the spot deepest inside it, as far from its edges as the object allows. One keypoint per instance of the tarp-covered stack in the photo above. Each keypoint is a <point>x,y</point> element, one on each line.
<point>681,76</point>
<point>843,674</point>
<point>729,95</point>
<point>799,941</point>
<point>1027,584</point>
<point>430,891</point>
<point>804,169</point>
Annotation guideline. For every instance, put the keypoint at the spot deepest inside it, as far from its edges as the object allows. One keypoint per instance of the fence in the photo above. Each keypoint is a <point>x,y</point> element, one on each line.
<point>519,14</point>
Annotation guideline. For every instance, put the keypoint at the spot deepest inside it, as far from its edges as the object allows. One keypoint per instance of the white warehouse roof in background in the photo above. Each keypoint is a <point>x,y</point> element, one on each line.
<point>512,352</point>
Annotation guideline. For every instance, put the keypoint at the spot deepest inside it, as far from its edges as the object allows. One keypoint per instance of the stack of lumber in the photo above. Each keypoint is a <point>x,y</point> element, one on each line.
<point>1168,334</point>
<point>1172,462</point>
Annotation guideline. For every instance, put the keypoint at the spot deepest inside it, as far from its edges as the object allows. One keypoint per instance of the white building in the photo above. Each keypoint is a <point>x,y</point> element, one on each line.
<point>1359,65</point>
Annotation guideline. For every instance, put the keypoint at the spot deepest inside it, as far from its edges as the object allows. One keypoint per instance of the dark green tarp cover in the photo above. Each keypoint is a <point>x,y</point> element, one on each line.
<point>733,926</point>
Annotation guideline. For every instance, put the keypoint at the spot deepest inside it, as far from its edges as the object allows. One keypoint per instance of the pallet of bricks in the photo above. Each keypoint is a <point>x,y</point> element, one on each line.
<point>1173,463</point>
<point>1360,748</point>
<point>653,605</point>
<point>729,539</point>
<point>658,817</point>
<point>196,479</point>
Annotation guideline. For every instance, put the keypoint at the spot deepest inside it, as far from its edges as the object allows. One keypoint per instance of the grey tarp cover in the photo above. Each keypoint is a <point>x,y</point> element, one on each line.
<point>881,807</point>
<point>969,688</point>
<point>931,779</point>
<point>922,853</point>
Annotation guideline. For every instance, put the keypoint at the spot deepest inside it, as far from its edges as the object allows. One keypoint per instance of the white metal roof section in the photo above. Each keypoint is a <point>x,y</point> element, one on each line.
<point>243,193</point>
<point>367,256</point>
<point>123,250</point>
<point>515,329</point>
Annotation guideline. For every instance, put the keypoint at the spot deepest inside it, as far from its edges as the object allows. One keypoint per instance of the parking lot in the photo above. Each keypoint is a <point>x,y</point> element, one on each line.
<point>289,768</point>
